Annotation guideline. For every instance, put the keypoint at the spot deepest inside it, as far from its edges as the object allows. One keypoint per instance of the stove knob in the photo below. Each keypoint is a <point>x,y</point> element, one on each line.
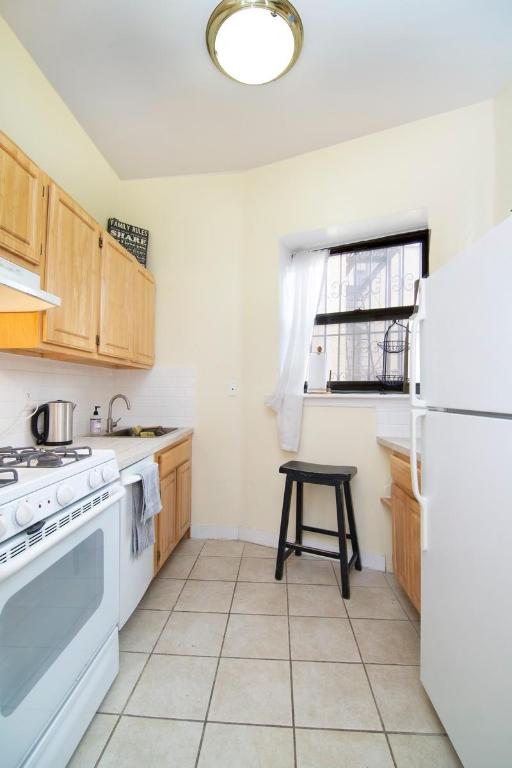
<point>24,514</point>
<point>107,473</point>
<point>94,479</point>
<point>3,527</point>
<point>65,494</point>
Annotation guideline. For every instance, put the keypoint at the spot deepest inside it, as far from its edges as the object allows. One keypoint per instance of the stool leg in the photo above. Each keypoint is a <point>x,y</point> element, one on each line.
<point>340,512</point>
<point>285,516</point>
<point>298,516</point>
<point>352,526</point>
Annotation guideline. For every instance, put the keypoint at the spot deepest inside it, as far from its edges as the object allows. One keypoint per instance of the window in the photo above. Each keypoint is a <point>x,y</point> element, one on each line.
<point>370,290</point>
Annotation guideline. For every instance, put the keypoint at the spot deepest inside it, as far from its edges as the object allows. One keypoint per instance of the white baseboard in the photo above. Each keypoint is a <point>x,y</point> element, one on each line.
<point>373,560</point>
<point>258,537</point>
<point>214,531</point>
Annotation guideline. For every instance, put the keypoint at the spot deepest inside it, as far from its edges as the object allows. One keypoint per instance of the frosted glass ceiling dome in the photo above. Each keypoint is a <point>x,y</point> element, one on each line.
<point>254,41</point>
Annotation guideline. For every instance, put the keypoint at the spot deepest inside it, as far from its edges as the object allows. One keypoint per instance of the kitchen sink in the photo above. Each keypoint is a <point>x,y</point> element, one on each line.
<point>128,432</point>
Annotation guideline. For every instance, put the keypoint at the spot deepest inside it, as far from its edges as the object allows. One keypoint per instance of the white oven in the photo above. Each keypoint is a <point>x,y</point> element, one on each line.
<point>59,605</point>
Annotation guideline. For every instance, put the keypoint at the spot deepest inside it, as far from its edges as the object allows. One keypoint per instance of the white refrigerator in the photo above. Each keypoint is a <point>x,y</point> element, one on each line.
<point>461,341</point>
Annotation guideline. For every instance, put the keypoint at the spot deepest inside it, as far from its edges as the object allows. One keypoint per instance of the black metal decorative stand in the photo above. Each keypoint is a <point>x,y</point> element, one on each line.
<point>392,347</point>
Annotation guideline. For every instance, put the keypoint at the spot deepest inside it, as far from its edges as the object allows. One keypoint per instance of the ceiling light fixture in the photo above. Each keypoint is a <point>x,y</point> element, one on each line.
<point>254,41</point>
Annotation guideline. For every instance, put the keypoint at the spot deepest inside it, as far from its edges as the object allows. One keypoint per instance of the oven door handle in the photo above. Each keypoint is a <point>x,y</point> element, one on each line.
<point>12,566</point>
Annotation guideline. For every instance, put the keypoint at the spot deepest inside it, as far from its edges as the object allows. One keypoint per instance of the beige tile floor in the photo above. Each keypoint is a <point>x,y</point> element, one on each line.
<point>222,667</point>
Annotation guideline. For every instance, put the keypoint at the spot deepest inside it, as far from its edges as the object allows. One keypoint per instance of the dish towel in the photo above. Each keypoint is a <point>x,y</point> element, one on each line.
<point>146,504</point>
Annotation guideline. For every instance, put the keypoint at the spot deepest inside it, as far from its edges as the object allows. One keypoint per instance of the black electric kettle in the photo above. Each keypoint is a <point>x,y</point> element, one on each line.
<point>57,422</point>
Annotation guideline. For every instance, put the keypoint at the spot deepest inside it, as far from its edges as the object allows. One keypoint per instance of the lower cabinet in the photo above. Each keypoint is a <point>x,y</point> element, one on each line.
<point>414,553</point>
<point>399,518</point>
<point>166,537</point>
<point>405,513</point>
<point>183,498</point>
<point>173,522</point>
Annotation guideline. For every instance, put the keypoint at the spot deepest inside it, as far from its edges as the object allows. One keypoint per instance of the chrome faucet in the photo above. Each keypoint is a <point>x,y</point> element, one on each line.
<point>111,423</point>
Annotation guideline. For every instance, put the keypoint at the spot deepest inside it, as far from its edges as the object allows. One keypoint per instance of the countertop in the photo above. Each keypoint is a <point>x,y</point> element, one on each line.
<point>128,450</point>
<point>400,445</point>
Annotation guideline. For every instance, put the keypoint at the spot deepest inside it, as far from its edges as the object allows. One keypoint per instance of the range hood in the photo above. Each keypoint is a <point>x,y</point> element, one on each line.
<point>20,290</point>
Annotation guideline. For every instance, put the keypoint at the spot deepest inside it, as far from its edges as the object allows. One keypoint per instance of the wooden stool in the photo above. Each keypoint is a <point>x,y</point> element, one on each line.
<point>320,474</point>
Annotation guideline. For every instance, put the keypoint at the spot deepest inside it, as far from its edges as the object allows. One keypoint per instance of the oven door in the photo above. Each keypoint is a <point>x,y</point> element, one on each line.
<point>59,602</point>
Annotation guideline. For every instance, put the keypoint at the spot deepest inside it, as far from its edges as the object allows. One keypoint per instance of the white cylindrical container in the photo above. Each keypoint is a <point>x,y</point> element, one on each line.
<point>317,377</point>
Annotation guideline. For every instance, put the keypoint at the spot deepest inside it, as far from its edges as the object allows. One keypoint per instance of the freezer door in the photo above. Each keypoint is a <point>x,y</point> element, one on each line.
<point>465,339</point>
<point>466,594</point>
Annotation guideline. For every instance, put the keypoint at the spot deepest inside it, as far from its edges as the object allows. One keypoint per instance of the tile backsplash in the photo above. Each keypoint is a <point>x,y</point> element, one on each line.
<point>393,417</point>
<point>164,395</point>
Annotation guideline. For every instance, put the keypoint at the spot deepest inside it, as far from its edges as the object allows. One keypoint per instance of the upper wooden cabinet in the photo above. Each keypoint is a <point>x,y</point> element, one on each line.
<point>144,330</point>
<point>107,307</point>
<point>22,206</point>
<point>71,272</point>
<point>117,312</point>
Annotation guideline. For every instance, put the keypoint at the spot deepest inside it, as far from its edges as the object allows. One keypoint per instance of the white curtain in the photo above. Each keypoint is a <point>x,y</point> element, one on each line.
<point>302,290</point>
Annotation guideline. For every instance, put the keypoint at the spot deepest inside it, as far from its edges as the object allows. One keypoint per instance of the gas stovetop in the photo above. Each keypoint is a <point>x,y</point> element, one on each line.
<point>42,458</point>
<point>35,482</point>
<point>29,457</point>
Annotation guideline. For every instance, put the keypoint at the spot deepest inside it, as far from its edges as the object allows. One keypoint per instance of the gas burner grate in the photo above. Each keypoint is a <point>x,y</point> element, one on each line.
<point>80,452</point>
<point>13,457</point>
<point>42,458</point>
<point>8,480</point>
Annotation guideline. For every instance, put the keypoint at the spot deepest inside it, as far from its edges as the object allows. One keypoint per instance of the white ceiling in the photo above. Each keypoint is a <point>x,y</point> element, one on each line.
<point>137,76</point>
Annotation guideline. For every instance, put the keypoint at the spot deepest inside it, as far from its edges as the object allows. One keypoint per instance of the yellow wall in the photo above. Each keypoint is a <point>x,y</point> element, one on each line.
<point>195,226</point>
<point>503,138</point>
<point>445,164</point>
<point>34,116</point>
<point>214,252</point>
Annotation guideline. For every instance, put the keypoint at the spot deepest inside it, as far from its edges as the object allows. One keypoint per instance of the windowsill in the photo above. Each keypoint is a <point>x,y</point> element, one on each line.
<point>353,399</point>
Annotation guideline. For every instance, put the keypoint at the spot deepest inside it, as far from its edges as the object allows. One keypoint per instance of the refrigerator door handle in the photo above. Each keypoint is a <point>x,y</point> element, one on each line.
<point>422,501</point>
<point>415,324</point>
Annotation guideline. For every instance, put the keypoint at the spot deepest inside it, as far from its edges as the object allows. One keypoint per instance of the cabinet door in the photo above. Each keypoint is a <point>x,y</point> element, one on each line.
<point>399,520</point>
<point>117,313</point>
<point>166,529</point>
<point>184,497</point>
<point>71,272</point>
<point>144,331</point>
<point>22,206</point>
<point>414,553</point>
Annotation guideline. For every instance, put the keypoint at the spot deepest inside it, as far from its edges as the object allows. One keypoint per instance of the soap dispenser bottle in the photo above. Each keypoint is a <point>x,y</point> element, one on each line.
<point>95,422</point>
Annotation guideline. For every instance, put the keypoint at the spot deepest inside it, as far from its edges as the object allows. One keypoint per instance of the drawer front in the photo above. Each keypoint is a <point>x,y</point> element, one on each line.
<point>401,473</point>
<point>171,458</point>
